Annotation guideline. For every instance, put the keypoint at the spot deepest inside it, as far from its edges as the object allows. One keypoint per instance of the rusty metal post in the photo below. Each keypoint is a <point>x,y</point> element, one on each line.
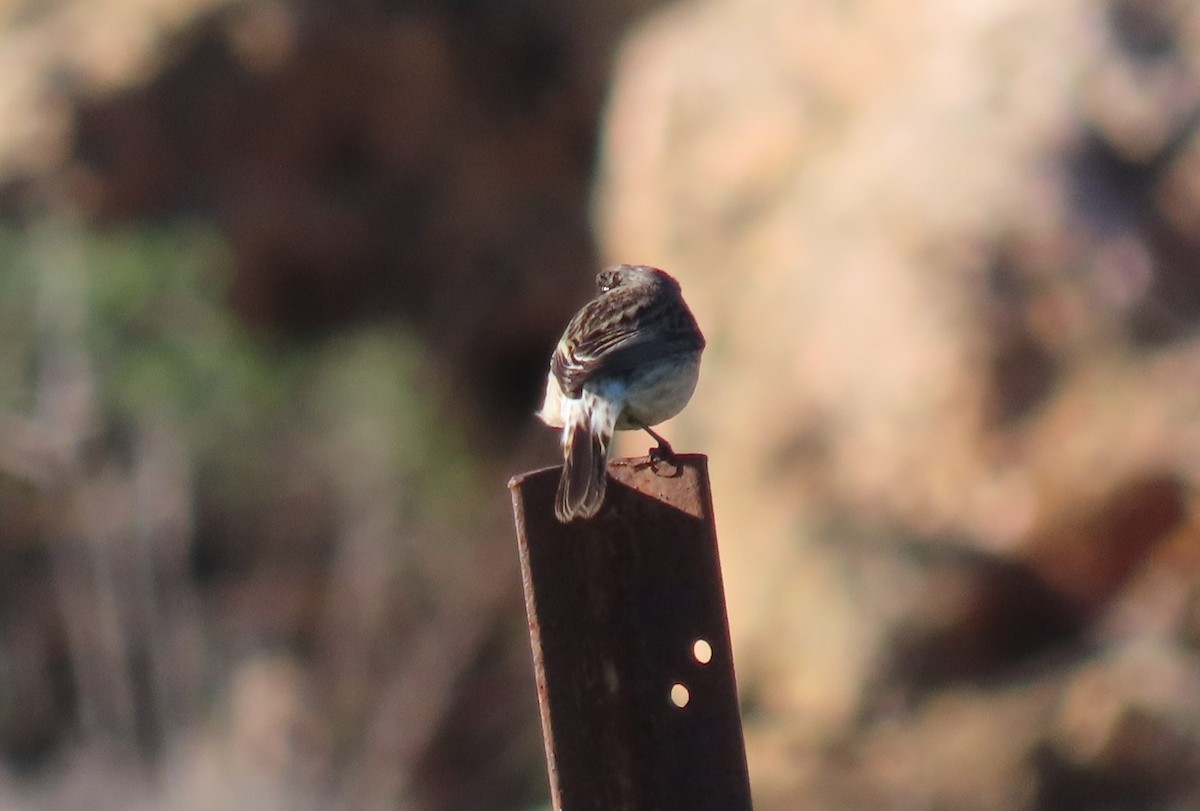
<point>631,643</point>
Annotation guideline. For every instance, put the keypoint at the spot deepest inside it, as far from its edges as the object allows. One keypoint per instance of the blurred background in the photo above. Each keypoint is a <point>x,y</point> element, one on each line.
<point>279,280</point>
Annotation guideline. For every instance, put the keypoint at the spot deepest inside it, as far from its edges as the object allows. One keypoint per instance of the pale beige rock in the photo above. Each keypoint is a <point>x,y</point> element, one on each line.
<point>923,286</point>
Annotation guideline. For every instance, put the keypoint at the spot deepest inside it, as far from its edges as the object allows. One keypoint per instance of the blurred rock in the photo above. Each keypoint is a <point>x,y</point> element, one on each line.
<point>979,612</point>
<point>1128,727</point>
<point>945,264</point>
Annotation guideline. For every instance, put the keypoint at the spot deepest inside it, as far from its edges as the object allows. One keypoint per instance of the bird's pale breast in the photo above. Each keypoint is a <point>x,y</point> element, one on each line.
<point>659,391</point>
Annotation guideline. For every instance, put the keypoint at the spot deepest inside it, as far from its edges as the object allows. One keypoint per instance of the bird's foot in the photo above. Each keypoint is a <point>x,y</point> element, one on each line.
<point>663,452</point>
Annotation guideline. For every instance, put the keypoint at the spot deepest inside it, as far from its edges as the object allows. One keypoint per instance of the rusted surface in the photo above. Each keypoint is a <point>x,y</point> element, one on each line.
<point>616,605</point>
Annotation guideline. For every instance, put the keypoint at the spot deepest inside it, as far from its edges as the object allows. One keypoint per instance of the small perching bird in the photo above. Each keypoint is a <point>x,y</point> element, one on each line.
<point>628,360</point>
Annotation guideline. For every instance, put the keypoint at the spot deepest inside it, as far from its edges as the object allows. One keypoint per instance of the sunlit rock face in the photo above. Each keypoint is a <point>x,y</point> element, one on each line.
<point>945,257</point>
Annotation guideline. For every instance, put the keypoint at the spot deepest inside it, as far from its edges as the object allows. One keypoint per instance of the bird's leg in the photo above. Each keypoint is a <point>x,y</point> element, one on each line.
<point>664,452</point>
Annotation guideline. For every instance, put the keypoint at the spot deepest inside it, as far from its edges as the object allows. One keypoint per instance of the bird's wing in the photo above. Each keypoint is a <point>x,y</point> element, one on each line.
<point>607,337</point>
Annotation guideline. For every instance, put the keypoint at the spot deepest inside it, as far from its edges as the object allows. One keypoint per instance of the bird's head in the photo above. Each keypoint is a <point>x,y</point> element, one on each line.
<point>617,276</point>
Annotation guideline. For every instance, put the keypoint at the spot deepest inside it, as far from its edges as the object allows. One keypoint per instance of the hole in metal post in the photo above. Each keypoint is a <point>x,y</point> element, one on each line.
<point>680,696</point>
<point>702,651</point>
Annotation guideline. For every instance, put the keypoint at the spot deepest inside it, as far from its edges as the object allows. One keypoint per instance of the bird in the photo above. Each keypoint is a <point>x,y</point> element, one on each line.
<point>628,360</point>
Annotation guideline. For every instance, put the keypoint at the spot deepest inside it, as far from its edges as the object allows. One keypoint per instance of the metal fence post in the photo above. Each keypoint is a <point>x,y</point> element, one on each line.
<point>631,643</point>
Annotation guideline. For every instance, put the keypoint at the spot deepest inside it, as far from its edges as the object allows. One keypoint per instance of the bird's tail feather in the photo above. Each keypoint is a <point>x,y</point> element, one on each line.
<point>587,437</point>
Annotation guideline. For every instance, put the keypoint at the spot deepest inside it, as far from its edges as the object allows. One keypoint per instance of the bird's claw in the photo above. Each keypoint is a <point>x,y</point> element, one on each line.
<point>663,452</point>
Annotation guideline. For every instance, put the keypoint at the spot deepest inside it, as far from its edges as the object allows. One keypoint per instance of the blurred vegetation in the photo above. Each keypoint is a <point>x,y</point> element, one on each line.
<point>164,345</point>
<point>194,490</point>
<point>277,285</point>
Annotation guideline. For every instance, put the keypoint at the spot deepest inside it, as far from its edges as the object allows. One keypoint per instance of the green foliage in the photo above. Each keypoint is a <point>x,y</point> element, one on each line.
<point>146,310</point>
<point>164,340</point>
<point>16,324</point>
<point>374,395</point>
